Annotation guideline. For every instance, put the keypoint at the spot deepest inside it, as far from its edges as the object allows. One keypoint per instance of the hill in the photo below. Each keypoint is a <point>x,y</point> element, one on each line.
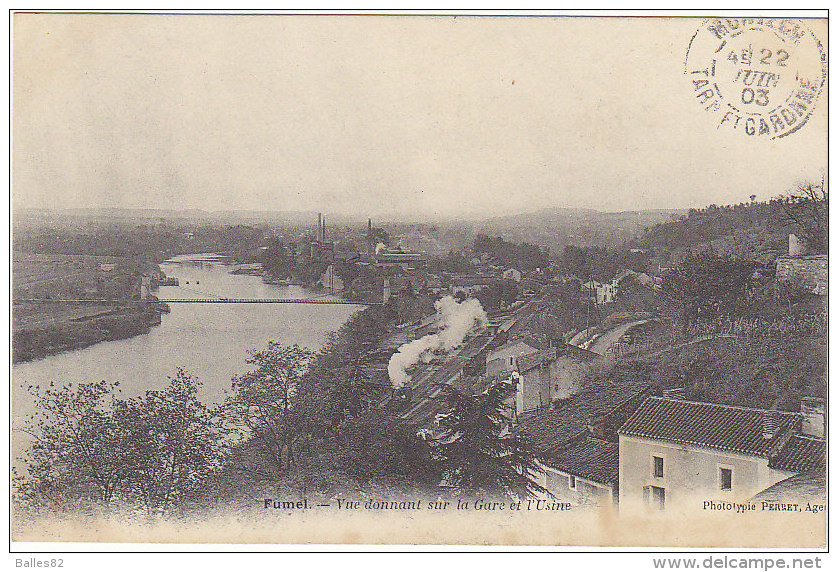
<point>752,231</point>
<point>558,227</point>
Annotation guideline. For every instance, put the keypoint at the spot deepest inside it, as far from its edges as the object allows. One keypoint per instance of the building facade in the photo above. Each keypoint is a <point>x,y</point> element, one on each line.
<point>512,274</point>
<point>545,374</point>
<point>598,292</point>
<point>677,452</point>
<point>583,473</point>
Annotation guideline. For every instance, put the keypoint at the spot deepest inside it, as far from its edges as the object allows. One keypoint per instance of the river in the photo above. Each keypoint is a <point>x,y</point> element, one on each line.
<point>210,341</point>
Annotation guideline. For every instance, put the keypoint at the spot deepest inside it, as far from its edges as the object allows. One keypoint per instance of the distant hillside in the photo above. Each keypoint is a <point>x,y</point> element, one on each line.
<point>556,228</point>
<point>746,230</point>
<point>80,215</point>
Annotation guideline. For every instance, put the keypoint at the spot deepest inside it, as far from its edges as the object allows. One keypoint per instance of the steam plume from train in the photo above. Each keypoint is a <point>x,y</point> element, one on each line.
<point>456,320</point>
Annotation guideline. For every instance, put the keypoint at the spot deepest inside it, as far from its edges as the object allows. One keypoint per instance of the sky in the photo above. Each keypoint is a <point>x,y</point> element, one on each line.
<point>380,116</point>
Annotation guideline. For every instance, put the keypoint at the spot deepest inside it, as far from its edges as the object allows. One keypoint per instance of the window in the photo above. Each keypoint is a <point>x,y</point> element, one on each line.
<point>658,466</point>
<point>726,479</point>
<point>571,482</point>
<point>658,497</point>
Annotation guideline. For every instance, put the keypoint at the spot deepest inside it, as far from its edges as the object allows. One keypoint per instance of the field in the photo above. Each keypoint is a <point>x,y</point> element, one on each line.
<point>59,276</point>
<point>42,325</point>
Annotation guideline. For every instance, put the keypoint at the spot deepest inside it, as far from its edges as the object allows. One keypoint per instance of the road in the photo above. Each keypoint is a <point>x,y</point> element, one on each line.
<point>579,338</point>
<point>606,340</point>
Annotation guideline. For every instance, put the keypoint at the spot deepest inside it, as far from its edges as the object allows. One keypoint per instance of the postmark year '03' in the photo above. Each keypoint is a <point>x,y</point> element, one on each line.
<point>760,77</point>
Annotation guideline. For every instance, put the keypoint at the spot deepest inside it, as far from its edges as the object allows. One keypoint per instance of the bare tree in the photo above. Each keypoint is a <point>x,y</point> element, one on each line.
<point>807,207</point>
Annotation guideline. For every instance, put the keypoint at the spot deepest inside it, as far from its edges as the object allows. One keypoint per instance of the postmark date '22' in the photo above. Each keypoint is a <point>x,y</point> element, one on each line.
<point>760,77</point>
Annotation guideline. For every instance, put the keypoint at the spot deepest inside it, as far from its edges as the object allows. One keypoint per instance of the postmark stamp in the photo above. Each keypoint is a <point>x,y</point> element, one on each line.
<point>760,77</point>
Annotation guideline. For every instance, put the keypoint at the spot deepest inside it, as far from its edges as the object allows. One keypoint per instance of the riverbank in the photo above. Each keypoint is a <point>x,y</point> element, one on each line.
<point>70,332</point>
<point>210,341</point>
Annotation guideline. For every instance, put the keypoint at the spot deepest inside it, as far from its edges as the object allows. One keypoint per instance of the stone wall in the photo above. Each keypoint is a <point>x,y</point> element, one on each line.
<point>812,271</point>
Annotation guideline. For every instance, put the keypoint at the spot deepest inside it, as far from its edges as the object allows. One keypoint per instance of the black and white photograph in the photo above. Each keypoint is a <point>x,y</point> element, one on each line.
<point>429,279</point>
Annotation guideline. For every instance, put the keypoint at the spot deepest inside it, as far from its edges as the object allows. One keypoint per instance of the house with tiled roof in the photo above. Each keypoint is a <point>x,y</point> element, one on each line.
<point>546,374</point>
<point>512,274</point>
<point>584,471</point>
<point>674,451</point>
<point>504,358</point>
<point>599,409</point>
<point>578,438</point>
<point>800,454</point>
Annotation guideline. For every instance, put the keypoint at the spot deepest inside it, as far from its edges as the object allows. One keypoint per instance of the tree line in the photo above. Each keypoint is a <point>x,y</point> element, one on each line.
<point>803,210</point>
<point>522,256</point>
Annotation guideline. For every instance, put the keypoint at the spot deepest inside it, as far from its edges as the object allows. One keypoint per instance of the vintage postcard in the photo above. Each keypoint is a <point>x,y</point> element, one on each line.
<point>420,279</point>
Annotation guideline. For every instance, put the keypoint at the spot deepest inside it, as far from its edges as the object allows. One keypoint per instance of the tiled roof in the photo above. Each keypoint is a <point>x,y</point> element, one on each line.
<point>713,425</point>
<point>605,402</point>
<point>531,361</point>
<point>517,349</point>
<point>800,454</point>
<point>805,487</point>
<point>589,458</point>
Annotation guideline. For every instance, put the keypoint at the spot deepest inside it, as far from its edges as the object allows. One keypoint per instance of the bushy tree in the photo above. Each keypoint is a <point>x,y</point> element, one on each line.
<point>708,286</point>
<point>262,405</point>
<point>477,449</point>
<point>452,262</point>
<point>374,446</point>
<point>91,447</point>
<point>174,444</point>
<point>807,207</point>
<point>524,256</point>
<point>276,260</point>
<point>497,294</point>
<point>78,450</point>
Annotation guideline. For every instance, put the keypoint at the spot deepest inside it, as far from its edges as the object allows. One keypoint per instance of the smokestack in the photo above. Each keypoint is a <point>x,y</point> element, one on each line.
<point>319,226</point>
<point>323,234</point>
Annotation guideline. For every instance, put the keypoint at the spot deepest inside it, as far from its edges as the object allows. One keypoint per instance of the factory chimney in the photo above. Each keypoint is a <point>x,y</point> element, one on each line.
<point>370,245</point>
